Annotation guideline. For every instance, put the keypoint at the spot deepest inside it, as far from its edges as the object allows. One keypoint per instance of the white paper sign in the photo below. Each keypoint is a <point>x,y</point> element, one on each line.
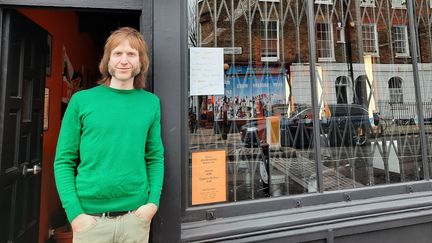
<point>206,71</point>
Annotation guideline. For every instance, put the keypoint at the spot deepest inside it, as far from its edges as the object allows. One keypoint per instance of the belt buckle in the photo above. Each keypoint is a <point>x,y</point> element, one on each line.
<point>112,215</point>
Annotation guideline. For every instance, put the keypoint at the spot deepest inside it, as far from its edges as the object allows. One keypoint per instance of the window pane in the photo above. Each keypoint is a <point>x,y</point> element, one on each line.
<point>425,63</point>
<point>366,109</point>
<point>369,131</point>
<point>266,102</point>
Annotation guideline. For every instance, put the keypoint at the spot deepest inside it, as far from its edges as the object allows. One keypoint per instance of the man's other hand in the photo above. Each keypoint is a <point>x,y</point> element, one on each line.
<point>82,222</point>
<point>146,211</point>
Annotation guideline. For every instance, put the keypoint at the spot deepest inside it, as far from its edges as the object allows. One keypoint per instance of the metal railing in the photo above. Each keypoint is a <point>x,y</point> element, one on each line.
<point>403,112</point>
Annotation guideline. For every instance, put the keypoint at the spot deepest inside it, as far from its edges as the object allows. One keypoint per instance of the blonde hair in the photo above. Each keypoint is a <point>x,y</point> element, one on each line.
<point>136,41</point>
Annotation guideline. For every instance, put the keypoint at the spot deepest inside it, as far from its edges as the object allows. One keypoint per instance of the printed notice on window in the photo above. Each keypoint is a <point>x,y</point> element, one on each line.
<point>208,177</point>
<point>206,71</point>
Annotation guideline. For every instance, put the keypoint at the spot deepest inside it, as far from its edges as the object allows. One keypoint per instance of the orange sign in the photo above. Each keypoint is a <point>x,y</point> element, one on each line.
<point>208,177</point>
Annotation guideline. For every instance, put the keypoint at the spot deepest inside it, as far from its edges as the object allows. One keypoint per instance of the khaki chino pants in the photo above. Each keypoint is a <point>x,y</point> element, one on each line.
<point>127,228</point>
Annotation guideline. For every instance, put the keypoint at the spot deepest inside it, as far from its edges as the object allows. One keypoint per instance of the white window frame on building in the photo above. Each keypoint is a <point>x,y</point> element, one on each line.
<point>329,2</point>
<point>367,3</point>
<point>373,37</point>
<point>276,1</point>
<point>328,41</point>
<point>399,4</point>
<point>400,41</point>
<point>265,40</point>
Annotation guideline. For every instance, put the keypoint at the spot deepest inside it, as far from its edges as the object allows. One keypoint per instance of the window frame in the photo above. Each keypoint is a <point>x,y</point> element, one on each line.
<point>395,86</point>
<point>266,58</point>
<point>405,41</point>
<point>367,3</point>
<point>396,5</point>
<point>375,34</point>
<point>331,58</point>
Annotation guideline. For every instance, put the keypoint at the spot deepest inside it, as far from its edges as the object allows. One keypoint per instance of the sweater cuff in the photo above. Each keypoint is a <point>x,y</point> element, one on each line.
<point>154,197</point>
<point>73,211</point>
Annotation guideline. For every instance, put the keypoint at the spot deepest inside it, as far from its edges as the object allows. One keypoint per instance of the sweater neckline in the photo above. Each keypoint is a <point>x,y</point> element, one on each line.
<point>121,91</point>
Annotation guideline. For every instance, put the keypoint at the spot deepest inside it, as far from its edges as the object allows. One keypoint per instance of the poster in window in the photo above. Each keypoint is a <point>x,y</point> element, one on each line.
<point>208,177</point>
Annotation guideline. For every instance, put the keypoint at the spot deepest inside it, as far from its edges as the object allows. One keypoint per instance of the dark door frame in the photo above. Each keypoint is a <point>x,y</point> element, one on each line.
<point>163,27</point>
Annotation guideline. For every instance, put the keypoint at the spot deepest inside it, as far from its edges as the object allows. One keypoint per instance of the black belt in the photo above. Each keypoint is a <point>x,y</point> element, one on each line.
<point>110,214</point>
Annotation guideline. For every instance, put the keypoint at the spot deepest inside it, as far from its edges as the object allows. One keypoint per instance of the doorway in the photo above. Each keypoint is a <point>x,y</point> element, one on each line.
<point>70,48</point>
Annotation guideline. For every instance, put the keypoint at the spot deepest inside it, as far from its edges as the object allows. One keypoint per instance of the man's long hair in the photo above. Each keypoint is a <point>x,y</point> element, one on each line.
<point>136,41</point>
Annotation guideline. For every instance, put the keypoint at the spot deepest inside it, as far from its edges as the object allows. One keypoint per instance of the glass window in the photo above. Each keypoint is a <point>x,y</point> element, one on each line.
<point>269,41</point>
<point>341,90</point>
<point>259,129</point>
<point>264,115</point>
<point>396,91</point>
<point>324,39</point>
<point>370,39</point>
<point>424,40</point>
<point>399,4</point>
<point>400,39</point>
<point>367,3</point>
<point>367,103</point>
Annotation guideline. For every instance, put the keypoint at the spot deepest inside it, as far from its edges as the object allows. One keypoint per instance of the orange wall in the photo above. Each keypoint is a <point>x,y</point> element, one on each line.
<point>63,27</point>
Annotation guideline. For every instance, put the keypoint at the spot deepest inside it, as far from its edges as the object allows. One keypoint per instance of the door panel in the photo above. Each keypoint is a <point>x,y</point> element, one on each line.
<point>22,82</point>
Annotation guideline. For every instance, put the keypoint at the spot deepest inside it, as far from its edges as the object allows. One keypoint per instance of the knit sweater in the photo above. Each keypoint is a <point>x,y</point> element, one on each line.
<point>109,153</point>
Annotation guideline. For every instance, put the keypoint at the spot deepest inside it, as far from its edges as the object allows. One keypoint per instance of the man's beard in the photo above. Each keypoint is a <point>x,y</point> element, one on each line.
<point>135,71</point>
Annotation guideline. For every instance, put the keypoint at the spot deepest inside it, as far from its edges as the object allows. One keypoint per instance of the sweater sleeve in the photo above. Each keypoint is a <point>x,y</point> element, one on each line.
<point>67,154</point>
<point>155,159</point>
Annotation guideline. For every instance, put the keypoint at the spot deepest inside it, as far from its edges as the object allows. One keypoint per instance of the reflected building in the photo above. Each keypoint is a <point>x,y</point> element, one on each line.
<point>364,87</point>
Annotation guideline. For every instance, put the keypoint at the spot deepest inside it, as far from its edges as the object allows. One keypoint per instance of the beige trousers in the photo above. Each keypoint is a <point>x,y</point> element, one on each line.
<point>127,228</point>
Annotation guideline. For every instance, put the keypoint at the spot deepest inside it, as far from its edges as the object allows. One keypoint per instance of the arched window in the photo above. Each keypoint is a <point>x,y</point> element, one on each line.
<point>341,90</point>
<point>360,95</point>
<point>395,90</point>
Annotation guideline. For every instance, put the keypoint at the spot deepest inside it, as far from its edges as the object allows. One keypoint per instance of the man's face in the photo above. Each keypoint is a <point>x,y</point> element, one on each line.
<point>124,63</point>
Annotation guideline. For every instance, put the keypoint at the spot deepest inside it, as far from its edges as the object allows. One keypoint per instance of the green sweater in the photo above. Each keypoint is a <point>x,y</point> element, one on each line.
<point>115,134</point>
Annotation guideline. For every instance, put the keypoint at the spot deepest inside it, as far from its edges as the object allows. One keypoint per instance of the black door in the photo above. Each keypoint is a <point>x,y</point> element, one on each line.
<point>22,77</point>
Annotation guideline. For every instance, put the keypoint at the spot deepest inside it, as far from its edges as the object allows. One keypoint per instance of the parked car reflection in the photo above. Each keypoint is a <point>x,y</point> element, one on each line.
<point>346,125</point>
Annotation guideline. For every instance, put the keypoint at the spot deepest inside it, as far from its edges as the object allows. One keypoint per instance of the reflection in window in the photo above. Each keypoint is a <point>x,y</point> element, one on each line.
<point>370,39</point>
<point>395,89</point>
<point>367,3</point>
<point>269,41</point>
<point>325,48</point>
<point>400,38</point>
<point>341,90</point>
<point>324,1</point>
<point>367,132</point>
<point>399,3</point>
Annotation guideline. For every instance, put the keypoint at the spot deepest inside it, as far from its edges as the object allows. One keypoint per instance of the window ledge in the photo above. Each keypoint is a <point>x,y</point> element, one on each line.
<point>367,5</point>
<point>326,59</point>
<point>269,59</point>
<point>324,2</point>
<point>371,54</point>
<point>313,222</point>
<point>403,56</point>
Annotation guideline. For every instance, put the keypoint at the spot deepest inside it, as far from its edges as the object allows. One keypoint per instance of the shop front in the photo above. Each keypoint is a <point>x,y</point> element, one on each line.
<point>282,120</point>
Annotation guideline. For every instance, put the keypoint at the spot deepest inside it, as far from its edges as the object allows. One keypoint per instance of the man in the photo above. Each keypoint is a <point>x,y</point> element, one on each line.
<point>113,130</point>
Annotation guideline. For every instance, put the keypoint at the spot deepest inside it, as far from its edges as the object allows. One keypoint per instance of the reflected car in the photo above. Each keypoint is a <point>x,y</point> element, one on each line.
<point>348,125</point>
